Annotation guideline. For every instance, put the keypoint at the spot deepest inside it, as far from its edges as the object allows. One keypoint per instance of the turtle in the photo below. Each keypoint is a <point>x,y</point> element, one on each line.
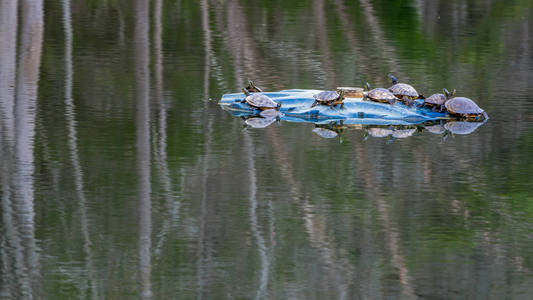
<point>329,98</point>
<point>462,127</point>
<point>260,101</point>
<point>351,92</point>
<point>465,108</point>
<point>403,91</point>
<point>436,101</point>
<point>379,95</point>
<point>252,88</point>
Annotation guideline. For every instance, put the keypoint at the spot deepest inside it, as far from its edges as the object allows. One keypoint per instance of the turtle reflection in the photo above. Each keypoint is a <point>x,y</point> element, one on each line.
<point>262,120</point>
<point>375,128</point>
<point>378,132</point>
<point>325,133</point>
<point>393,132</point>
<point>330,130</point>
<point>462,127</point>
<point>435,128</point>
<point>403,133</point>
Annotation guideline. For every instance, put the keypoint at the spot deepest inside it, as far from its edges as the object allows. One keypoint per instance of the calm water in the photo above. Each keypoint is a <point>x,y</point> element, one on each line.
<point>122,178</point>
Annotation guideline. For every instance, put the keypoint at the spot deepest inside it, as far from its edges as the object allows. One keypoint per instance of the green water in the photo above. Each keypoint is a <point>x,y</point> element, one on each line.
<point>122,178</point>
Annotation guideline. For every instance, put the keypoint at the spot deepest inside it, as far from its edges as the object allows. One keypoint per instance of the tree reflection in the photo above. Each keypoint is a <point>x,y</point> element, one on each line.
<point>142,125</point>
<point>74,153</point>
<point>18,110</point>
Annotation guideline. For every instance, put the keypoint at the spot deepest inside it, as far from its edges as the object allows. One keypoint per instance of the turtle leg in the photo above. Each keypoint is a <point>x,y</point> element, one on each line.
<point>391,101</point>
<point>243,100</point>
<point>342,105</point>
<point>434,109</point>
<point>314,103</point>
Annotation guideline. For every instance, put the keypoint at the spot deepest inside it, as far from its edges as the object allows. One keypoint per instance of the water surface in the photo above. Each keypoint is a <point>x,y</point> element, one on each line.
<point>122,178</point>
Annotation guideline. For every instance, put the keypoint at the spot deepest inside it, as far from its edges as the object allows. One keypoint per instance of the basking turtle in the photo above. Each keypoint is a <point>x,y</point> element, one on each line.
<point>252,88</point>
<point>462,127</point>
<point>379,95</point>
<point>325,133</point>
<point>260,101</point>
<point>403,91</point>
<point>351,92</point>
<point>329,98</point>
<point>465,108</point>
<point>436,101</point>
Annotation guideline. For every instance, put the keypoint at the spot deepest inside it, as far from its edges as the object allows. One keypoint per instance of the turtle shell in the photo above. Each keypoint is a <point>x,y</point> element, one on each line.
<point>404,89</point>
<point>463,106</point>
<point>261,101</point>
<point>403,133</point>
<point>257,122</point>
<point>379,132</point>
<point>351,92</point>
<point>327,96</point>
<point>325,133</point>
<point>435,99</point>
<point>381,95</point>
<point>461,127</point>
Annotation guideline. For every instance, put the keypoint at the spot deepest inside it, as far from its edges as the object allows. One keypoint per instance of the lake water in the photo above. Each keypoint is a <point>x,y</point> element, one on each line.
<point>122,178</point>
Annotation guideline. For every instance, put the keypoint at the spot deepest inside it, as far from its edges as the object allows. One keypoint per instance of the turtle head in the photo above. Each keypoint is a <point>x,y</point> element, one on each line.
<point>393,79</point>
<point>245,92</point>
<point>341,95</point>
<point>448,94</point>
<point>367,86</point>
<point>252,86</point>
